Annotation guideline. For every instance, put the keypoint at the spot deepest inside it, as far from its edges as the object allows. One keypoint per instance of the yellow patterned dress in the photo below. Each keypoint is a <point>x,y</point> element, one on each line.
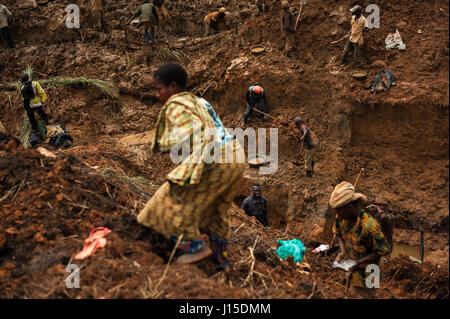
<point>197,195</point>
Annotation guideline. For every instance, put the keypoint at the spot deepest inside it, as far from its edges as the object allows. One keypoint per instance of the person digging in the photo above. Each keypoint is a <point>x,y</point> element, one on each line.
<point>214,19</point>
<point>307,139</point>
<point>196,197</point>
<point>148,17</point>
<point>356,39</point>
<point>359,236</point>
<point>255,96</point>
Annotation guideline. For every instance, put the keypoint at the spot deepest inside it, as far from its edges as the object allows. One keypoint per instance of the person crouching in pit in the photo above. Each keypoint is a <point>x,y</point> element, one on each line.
<point>196,196</point>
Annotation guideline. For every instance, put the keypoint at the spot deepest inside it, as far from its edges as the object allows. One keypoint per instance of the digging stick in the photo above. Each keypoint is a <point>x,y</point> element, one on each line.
<point>358,178</point>
<point>269,116</point>
<point>299,153</point>
<point>344,37</point>
<point>298,17</point>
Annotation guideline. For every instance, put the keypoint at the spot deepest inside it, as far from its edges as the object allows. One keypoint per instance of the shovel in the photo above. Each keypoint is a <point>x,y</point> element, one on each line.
<point>273,118</point>
<point>344,37</point>
<point>297,163</point>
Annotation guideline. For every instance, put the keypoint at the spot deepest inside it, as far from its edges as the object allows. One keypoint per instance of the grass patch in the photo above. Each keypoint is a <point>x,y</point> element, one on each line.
<point>112,173</point>
<point>104,87</point>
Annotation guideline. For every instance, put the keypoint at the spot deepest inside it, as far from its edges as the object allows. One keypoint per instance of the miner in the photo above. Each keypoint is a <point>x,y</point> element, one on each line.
<point>162,11</point>
<point>214,19</point>
<point>5,32</point>
<point>359,26</point>
<point>310,144</point>
<point>197,195</point>
<point>255,97</point>
<point>360,238</point>
<point>380,211</point>
<point>148,17</point>
<point>256,205</point>
<point>33,97</point>
<point>288,27</point>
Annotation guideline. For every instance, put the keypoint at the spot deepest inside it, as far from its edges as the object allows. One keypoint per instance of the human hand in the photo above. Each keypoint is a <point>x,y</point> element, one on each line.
<point>340,256</point>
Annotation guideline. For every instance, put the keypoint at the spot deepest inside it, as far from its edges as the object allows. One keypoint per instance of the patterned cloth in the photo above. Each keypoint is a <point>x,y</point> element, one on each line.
<point>364,238</point>
<point>220,250</point>
<point>188,246</point>
<point>180,117</point>
<point>197,196</point>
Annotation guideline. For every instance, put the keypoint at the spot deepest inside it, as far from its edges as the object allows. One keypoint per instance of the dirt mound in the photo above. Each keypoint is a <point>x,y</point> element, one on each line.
<point>48,206</point>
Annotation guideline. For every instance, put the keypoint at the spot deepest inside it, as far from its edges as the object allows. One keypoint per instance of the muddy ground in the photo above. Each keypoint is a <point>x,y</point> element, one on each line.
<point>400,137</point>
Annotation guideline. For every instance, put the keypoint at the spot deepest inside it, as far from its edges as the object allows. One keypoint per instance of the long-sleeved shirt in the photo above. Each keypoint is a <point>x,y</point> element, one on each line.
<point>364,238</point>
<point>4,13</point>
<point>256,207</point>
<point>33,94</point>
<point>308,138</point>
<point>357,29</point>
<point>147,13</point>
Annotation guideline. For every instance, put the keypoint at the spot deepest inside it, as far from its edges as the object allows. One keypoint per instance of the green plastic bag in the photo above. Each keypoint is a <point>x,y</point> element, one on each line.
<point>290,248</point>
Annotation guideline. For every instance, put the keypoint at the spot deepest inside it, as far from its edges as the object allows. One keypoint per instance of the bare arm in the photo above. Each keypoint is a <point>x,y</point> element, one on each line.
<point>342,253</point>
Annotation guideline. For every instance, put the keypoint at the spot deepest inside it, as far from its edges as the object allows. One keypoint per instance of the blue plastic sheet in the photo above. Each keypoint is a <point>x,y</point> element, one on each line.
<point>289,248</point>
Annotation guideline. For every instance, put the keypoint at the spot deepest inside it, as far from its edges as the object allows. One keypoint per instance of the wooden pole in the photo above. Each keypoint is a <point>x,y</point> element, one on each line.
<point>298,17</point>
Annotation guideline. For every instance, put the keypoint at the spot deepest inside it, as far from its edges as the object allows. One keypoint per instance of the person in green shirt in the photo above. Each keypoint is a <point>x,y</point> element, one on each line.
<point>148,17</point>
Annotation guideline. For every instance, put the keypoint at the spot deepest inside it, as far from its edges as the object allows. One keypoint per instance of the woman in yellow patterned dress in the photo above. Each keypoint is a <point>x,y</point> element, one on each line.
<point>197,195</point>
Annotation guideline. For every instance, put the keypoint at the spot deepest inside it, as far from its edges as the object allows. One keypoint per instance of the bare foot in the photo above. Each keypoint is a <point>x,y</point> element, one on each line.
<point>204,252</point>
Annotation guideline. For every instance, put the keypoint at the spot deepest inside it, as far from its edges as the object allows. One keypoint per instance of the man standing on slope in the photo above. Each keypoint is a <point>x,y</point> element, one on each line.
<point>356,39</point>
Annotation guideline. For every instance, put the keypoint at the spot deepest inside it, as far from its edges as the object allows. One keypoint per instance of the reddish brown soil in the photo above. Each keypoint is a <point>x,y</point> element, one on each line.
<point>400,137</point>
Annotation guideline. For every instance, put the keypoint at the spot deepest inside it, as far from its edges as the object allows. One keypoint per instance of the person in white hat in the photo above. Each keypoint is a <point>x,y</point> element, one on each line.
<point>355,41</point>
<point>359,235</point>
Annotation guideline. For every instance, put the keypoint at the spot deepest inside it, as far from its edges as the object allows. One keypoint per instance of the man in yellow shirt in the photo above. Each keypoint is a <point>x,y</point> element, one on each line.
<point>33,97</point>
<point>215,18</point>
<point>355,41</point>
